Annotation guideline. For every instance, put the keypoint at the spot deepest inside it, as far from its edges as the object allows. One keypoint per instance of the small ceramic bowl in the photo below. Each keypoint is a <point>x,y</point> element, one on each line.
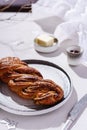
<point>74,55</point>
<point>74,51</point>
<point>46,49</point>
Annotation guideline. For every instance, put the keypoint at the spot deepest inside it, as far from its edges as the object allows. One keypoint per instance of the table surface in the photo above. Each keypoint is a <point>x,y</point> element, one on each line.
<point>24,29</point>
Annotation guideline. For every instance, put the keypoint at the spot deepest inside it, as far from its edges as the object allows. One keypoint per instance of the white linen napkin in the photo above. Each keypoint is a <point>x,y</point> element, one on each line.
<point>66,30</point>
<point>72,11</point>
<point>58,8</point>
<point>74,14</point>
<point>75,26</point>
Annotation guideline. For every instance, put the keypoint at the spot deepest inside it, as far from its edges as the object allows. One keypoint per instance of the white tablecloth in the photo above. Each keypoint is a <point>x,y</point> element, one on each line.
<point>26,30</point>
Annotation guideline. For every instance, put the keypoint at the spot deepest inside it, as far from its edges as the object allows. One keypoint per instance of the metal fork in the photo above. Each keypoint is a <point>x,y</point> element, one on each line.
<point>11,124</point>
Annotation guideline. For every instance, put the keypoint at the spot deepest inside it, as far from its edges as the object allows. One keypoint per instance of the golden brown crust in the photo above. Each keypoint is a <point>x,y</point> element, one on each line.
<point>10,63</point>
<point>28,82</point>
<point>28,70</point>
<point>13,64</point>
<point>6,77</point>
<point>43,92</point>
<point>53,95</point>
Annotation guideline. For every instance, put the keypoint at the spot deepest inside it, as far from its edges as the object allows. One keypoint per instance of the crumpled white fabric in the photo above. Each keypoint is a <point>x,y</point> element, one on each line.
<point>74,14</point>
<point>75,24</point>
<point>71,11</point>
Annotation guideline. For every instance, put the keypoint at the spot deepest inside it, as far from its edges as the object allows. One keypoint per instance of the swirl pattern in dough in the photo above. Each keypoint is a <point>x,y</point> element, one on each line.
<point>28,82</point>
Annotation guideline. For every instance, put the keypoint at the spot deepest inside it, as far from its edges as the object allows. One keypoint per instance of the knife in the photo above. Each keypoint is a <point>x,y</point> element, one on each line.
<point>75,112</point>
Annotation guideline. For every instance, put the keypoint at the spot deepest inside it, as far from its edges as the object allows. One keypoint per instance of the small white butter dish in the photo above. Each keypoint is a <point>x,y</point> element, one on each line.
<point>46,43</point>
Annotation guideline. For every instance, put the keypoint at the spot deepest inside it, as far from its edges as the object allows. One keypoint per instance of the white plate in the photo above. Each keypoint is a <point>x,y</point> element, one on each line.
<point>10,102</point>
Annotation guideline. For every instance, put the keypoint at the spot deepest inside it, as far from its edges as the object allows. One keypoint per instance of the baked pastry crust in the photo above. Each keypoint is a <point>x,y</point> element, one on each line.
<point>28,82</point>
<point>11,67</point>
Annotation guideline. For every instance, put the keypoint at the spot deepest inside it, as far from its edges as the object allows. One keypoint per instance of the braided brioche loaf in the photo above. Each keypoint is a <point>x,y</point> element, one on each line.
<point>28,82</point>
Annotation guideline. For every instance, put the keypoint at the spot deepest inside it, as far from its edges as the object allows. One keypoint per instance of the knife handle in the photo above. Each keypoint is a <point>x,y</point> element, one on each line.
<point>78,108</point>
<point>76,112</point>
<point>67,125</point>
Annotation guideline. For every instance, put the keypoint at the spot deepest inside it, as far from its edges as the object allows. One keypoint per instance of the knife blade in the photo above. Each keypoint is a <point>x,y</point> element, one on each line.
<point>75,112</point>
